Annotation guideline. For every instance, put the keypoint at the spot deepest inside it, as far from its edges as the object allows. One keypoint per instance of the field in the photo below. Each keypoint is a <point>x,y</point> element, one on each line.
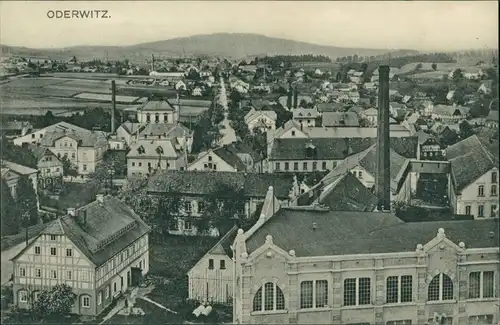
<point>107,98</point>
<point>317,65</point>
<point>440,67</point>
<point>438,75</point>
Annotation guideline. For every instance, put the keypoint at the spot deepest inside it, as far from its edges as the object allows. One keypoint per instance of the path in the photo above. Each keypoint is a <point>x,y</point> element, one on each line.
<point>157,304</point>
<point>228,134</point>
<point>6,264</point>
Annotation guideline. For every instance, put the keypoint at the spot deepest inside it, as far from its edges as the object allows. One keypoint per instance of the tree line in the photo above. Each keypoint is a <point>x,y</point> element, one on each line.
<point>219,210</point>
<point>276,60</point>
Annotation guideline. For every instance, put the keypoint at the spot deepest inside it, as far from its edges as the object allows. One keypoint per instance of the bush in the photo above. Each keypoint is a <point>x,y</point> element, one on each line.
<point>6,296</point>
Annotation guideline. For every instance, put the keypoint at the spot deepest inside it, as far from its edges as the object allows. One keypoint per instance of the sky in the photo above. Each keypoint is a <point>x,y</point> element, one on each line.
<point>419,25</point>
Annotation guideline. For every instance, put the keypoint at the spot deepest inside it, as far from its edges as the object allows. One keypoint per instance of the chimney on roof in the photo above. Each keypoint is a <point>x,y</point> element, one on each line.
<point>71,211</point>
<point>383,185</point>
<point>100,198</point>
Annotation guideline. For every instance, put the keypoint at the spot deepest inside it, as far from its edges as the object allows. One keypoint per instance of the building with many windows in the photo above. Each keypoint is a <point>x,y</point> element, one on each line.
<point>307,266</point>
<point>474,178</point>
<point>99,250</point>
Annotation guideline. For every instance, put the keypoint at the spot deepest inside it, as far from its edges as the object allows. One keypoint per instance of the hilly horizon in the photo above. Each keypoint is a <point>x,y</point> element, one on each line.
<point>231,45</point>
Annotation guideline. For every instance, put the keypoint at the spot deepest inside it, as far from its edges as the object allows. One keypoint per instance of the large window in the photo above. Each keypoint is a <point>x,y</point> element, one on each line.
<point>22,271</point>
<point>494,190</point>
<point>37,250</point>
<point>481,284</point>
<point>357,291</point>
<point>23,296</point>
<point>480,190</point>
<point>86,301</point>
<point>440,288</point>
<point>399,289</point>
<point>314,294</point>
<point>269,297</point>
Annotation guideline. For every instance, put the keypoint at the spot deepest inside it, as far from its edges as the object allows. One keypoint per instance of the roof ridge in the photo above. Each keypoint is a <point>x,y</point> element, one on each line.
<point>484,149</point>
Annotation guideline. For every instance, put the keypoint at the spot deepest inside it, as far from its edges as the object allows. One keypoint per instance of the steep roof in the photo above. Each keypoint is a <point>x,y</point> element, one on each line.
<point>132,128</point>
<point>165,130</point>
<point>17,168</point>
<point>99,230</point>
<point>492,116</point>
<point>344,233</point>
<point>156,105</point>
<point>340,119</point>
<point>370,112</point>
<point>84,137</point>
<point>344,193</point>
<point>336,148</point>
<point>450,110</point>
<point>150,149</point>
<point>335,233</point>
<point>205,183</point>
<point>227,156</point>
<point>253,114</point>
<point>470,166</point>
<point>329,107</point>
<point>367,159</point>
<point>301,112</point>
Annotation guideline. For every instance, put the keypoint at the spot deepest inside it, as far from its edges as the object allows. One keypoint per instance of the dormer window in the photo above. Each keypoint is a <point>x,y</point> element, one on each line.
<point>159,150</point>
<point>310,151</point>
<point>141,150</point>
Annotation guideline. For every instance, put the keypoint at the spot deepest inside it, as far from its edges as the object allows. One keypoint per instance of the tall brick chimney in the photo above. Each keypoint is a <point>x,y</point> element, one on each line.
<point>383,179</point>
<point>113,105</point>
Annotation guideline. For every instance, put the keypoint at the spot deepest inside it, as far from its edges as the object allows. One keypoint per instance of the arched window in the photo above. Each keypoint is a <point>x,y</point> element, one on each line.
<point>269,297</point>
<point>440,288</point>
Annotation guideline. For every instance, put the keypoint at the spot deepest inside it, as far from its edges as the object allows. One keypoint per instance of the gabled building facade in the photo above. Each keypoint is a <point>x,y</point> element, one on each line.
<point>100,250</point>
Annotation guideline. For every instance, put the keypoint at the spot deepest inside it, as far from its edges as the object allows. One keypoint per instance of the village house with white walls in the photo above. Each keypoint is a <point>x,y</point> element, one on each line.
<point>262,120</point>
<point>12,172</point>
<point>147,156</point>
<point>474,179</point>
<point>100,250</point>
<point>193,188</point>
<point>82,147</point>
<point>157,111</point>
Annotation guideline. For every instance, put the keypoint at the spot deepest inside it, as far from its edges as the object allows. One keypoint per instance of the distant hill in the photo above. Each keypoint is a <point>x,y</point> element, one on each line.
<point>223,44</point>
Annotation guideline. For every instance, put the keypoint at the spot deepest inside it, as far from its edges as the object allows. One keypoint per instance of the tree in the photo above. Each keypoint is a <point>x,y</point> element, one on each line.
<point>223,210</point>
<point>434,66</point>
<point>8,216</point>
<point>20,155</point>
<point>54,302</point>
<point>465,130</point>
<point>27,201</point>
<point>458,75</point>
<point>364,67</point>
<point>418,67</point>
<point>68,169</point>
